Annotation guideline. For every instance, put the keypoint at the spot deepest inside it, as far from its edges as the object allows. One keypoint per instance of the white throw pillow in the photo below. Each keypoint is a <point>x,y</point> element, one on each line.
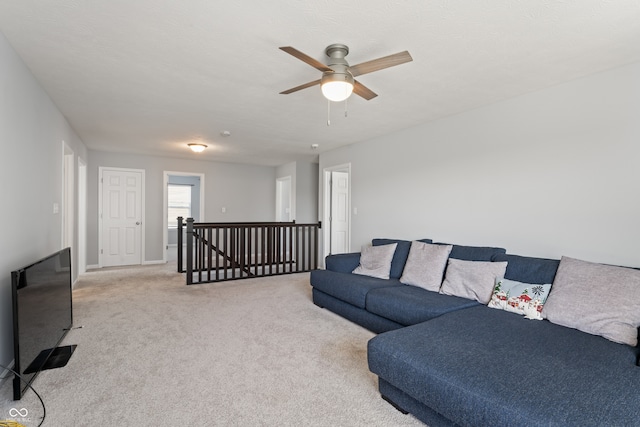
<point>472,279</point>
<point>375,261</point>
<point>425,265</point>
<point>597,299</point>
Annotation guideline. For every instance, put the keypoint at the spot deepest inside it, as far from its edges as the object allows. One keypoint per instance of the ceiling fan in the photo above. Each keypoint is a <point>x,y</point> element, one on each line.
<point>337,82</point>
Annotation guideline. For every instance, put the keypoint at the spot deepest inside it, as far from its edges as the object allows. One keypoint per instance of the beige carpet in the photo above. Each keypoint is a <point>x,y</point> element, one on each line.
<point>258,352</point>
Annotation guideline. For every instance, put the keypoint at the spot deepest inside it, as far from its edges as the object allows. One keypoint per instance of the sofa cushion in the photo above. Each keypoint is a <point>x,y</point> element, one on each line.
<point>487,367</point>
<point>529,269</point>
<point>409,305</point>
<point>400,256</point>
<point>343,263</point>
<point>375,261</point>
<point>425,265</point>
<point>597,299</point>
<point>351,288</point>
<point>474,253</point>
<point>520,298</point>
<point>472,279</point>
<point>373,322</point>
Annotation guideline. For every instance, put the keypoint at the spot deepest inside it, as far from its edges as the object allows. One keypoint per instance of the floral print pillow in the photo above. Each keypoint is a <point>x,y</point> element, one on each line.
<point>522,298</point>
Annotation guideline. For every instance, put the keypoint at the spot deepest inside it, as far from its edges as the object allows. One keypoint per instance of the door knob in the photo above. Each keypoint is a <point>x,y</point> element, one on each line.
<point>137,222</point>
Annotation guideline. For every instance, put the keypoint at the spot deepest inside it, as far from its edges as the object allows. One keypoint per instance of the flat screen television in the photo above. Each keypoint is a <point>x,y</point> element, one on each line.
<point>42,316</point>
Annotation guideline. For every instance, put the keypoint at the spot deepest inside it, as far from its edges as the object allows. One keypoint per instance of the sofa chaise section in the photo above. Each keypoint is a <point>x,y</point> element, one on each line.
<point>488,367</point>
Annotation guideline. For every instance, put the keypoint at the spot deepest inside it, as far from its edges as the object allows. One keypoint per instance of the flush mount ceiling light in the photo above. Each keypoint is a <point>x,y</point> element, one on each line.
<point>197,148</point>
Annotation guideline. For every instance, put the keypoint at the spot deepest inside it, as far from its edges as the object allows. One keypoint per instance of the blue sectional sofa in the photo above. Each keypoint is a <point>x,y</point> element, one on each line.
<point>454,361</point>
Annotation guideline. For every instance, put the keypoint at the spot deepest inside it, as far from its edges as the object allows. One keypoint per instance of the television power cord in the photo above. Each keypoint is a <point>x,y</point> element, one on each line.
<point>44,409</point>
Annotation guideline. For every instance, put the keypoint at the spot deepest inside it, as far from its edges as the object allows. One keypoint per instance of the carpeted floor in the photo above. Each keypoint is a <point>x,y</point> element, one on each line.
<point>257,352</point>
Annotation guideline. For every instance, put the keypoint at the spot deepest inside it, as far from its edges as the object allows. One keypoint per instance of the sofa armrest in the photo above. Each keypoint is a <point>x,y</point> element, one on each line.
<point>342,263</point>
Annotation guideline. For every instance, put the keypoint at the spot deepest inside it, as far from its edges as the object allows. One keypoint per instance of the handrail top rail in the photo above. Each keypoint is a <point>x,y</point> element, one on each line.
<point>246,222</point>
<point>250,224</point>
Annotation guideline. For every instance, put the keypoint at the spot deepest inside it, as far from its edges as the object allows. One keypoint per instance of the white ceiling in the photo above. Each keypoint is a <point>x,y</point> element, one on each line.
<point>148,76</point>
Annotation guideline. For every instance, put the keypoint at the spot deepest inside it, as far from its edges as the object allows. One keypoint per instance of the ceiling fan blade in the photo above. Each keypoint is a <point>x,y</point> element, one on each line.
<point>380,63</point>
<point>305,58</point>
<point>297,88</point>
<point>363,91</point>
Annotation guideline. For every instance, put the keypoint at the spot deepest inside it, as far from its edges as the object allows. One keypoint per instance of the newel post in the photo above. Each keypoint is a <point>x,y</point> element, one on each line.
<point>189,251</point>
<point>179,244</point>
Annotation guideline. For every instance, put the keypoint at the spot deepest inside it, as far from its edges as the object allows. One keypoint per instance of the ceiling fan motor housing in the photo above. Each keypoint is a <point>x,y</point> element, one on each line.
<point>336,53</point>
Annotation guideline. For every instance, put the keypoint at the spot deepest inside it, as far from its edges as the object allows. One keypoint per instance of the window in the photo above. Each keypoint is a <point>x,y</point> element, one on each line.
<point>179,202</point>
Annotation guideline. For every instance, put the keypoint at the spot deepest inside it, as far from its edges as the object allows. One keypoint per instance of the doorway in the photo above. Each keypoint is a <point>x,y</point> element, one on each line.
<point>283,200</point>
<point>337,208</point>
<point>82,216</point>
<point>182,182</point>
<point>121,217</point>
<point>68,198</point>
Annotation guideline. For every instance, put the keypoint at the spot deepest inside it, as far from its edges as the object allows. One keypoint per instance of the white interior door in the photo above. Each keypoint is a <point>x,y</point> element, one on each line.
<point>121,230</point>
<point>339,220</point>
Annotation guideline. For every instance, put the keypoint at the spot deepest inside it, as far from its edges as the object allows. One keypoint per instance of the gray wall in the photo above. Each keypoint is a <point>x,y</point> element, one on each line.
<point>304,188</point>
<point>551,173</point>
<point>306,192</point>
<point>284,171</point>
<point>31,133</point>
<point>246,191</point>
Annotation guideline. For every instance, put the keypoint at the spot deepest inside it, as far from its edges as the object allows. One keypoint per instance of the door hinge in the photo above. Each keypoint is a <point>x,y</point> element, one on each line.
<point>101,252</point>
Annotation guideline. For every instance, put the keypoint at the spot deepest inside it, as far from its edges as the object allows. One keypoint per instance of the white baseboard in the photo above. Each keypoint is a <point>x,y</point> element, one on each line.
<point>152,262</point>
<point>159,261</point>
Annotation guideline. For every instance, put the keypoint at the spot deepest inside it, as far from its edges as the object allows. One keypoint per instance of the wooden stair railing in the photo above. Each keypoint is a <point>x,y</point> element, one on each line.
<point>238,250</point>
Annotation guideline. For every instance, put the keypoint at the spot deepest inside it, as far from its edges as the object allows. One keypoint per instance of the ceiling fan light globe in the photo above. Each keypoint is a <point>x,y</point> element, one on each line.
<point>337,91</point>
<point>337,87</point>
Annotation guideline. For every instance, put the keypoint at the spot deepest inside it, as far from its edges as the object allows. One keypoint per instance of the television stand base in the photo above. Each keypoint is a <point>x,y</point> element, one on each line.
<point>58,358</point>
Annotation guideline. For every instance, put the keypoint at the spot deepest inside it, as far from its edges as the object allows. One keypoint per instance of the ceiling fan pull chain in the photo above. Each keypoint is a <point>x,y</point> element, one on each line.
<point>345,107</point>
<point>328,113</point>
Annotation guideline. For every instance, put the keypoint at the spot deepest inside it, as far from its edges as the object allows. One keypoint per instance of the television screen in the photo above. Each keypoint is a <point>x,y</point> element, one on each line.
<point>42,315</point>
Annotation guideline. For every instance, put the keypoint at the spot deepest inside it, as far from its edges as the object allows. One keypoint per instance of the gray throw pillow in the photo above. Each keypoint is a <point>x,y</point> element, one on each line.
<point>375,261</point>
<point>472,279</point>
<point>597,299</point>
<point>425,265</point>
